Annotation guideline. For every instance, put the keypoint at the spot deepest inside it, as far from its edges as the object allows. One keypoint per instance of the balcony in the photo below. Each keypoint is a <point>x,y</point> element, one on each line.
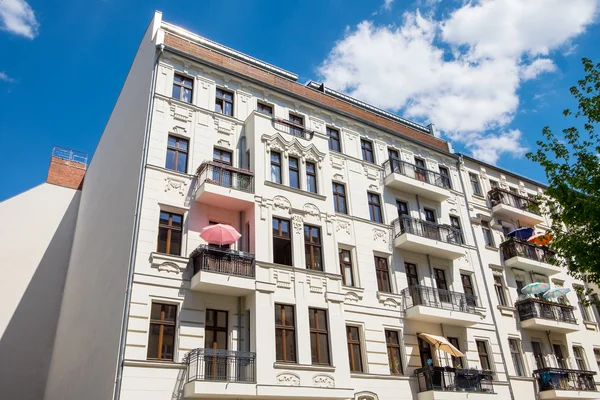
<point>284,125</point>
<point>214,373</point>
<point>529,257</point>
<point>560,383</point>
<point>221,185</point>
<point>451,383</point>
<point>514,207</point>
<point>410,178</point>
<point>427,304</point>
<point>222,271</point>
<point>542,315</point>
<point>425,237</point>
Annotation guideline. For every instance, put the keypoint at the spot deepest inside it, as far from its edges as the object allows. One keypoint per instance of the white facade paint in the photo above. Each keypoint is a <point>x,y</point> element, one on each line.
<point>38,228</point>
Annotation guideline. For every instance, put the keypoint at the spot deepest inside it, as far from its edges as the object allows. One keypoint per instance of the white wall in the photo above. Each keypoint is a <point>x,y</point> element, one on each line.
<point>91,315</point>
<point>38,227</point>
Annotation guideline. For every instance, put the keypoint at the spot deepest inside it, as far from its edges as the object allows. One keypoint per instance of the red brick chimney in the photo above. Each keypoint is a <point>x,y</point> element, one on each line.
<point>67,168</point>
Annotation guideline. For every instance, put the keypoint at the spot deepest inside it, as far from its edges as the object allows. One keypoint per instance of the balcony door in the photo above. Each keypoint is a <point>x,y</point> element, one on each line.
<point>442,284</point>
<point>412,277</point>
<point>558,354</point>
<point>537,355</point>
<point>222,175</point>
<point>420,170</point>
<point>430,228</point>
<point>402,208</point>
<point>215,339</point>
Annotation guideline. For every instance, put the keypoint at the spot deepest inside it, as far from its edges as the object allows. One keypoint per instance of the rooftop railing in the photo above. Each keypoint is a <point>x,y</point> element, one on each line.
<point>426,229</point>
<point>220,365</point>
<point>397,166</point>
<point>506,197</point>
<point>536,308</point>
<point>517,248</point>
<point>418,295</point>
<point>564,379</point>
<point>223,261</point>
<point>225,175</point>
<point>450,379</point>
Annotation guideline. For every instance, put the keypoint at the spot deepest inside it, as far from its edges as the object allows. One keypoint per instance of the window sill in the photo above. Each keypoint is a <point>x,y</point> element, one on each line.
<point>154,364</point>
<point>492,248</point>
<point>164,262</point>
<point>365,375</point>
<point>590,325</point>
<point>479,196</point>
<point>294,190</point>
<point>170,171</point>
<point>303,367</point>
<point>521,378</point>
<point>507,311</point>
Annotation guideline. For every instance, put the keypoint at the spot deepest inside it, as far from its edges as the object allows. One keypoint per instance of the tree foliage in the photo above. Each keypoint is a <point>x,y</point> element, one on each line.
<point>572,165</point>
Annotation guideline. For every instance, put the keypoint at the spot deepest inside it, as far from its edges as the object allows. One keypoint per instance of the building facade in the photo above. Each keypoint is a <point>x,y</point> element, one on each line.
<point>364,237</point>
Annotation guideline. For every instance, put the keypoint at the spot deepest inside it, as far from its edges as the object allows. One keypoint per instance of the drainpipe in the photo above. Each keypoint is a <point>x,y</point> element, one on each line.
<point>487,291</point>
<point>133,251</point>
<point>418,206</point>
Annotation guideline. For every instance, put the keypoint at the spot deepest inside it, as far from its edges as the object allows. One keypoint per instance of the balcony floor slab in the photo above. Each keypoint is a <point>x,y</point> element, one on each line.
<point>440,315</point>
<point>568,394</point>
<point>423,245</point>
<point>542,324</point>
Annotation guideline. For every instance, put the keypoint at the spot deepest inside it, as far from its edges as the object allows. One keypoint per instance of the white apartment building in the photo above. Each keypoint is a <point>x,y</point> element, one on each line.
<point>362,232</point>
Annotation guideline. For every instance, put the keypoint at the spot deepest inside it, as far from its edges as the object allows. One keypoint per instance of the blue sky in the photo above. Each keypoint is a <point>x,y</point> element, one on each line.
<point>490,73</point>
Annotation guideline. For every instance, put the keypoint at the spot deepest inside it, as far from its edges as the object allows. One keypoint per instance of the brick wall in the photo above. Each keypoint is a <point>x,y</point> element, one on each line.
<point>66,173</point>
<point>224,61</point>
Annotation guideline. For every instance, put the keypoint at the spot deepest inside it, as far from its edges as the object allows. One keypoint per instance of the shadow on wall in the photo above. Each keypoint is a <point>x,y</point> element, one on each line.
<point>27,343</point>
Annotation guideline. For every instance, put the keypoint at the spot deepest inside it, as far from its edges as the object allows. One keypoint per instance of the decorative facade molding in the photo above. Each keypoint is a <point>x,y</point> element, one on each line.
<point>298,223</point>
<point>312,210</point>
<point>177,185</point>
<point>288,379</point>
<point>306,153</point>
<point>325,381</point>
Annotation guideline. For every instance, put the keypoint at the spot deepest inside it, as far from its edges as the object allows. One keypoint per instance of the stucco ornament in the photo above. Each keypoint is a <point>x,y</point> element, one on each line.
<point>175,184</point>
<point>298,223</point>
<point>380,234</point>
<point>287,379</point>
<point>323,381</point>
<point>169,267</point>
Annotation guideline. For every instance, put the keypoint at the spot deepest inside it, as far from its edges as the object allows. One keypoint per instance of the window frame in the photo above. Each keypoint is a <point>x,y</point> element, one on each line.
<point>470,287</point>
<point>475,184</point>
<point>382,270</point>
<point>430,215</point>
<point>580,358</point>
<point>446,175</point>
<point>457,362</point>
<point>486,354</point>
<point>276,164</point>
<point>366,147</point>
<point>162,323</point>
<point>318,331</point>
<point>262,104</point>
<point>177,150</point>
<point>281,237</point>
<point>346,265</point>
<point>375,208</point>
<point>221,152</point>
<point>456,224</point>
<point>310,246</point>
<point>337,196</point>
<point>488,235</point>
<point>539,347</point>
<point>584,310</point>
<point>334,139</point>
<point>500,290</point>
<point>224,101</point>
<point>170,228</point>
<point>352,343</point>
<point>216,328</point>
<point>516,356</point>
<point>394,347</point>
<point>294,171</point>
<point>183,86</point>
<point>284,328</point>
<point>312,175</point>
<point>409,275</point>
<point>297,129</point>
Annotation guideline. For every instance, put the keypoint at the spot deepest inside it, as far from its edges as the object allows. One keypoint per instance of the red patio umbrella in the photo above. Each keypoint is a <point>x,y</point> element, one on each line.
<point>220,234</point>
<point>541,239</point>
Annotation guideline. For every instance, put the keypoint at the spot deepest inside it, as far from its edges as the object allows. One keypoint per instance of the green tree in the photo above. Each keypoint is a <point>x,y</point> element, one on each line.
<point>572,165</point>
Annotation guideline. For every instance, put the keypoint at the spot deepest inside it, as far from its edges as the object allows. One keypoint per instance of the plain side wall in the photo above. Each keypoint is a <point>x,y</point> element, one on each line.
<point>91,315</point>
<point>38,227</point>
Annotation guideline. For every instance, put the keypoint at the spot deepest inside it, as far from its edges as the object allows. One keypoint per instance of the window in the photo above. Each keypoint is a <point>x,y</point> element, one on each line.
<point>282,242</point>
<point>581,302</point>
<point>299,121</point>
<point>429,215</point>
<point>182,88</point>
<point>224,102</point>
<point>455,222</point>
<point>393,350</point>
<point>294,173</point>
<point>520,284</point>
<point>339,198</point>
<point>334,140</point>
<point>493,184</point>
<point>420,170</point>
<point>424,352</point>
<point>411,274</point>
<point>515,353</point>
<point>169,233</point>
<point>500,293</point>
<point>346,267</point>
<point>393,154</point>
<point>597,357</point>
<point>319,337</point>
<point>475,183</point>
<point>375,207</point>
<point>402,208</point>
<point>177,154</point>
<point>467,285</point>
<point>579,358</point>
<point>161,340</point>
<point>367,151</point>
<point>215,331</point>
<point>538,357</point>
<point>484,357</point>
<point>457,362</point>
<point>222,156</point>
<point>354,352</point>
<point>445,175</point>
<point>442,284</point>
<point>488,236</point>
<point>312,247</point>
<point>558,354</point>
<point>285,333</point>
<point>264,108</point>
<point>311,177</point>
<point>383,274</point>
<point>275,167</point>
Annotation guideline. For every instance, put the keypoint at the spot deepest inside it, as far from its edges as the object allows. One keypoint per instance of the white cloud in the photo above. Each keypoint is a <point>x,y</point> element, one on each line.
<point>4,77</point>
<point>18,17</point>
<point>461,73</point>
<point>387,4</point>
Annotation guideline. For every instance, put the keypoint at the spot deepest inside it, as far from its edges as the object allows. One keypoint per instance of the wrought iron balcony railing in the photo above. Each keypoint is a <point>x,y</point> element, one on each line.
<point>564,379</point>
<point>450,379</point>
<point>536,308</point>
<point>426,229</point>
<point>506,197</point>
<point>225,175</point>
<point>397,166</point>
<point>223,261</point>
<point>220,365</point>
<point>292,128</point>
<point>517,248</point>
<point>418,295</point>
